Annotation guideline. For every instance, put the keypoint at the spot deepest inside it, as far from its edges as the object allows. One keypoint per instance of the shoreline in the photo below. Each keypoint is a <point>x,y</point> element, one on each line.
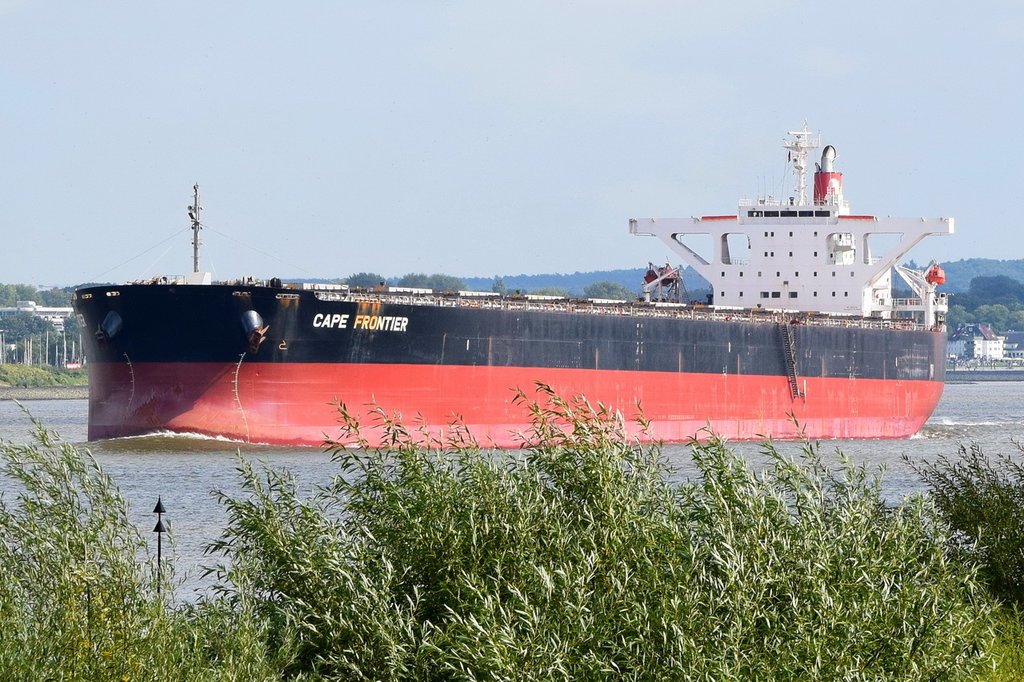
<point>970,376</point>
<point>44,393</point>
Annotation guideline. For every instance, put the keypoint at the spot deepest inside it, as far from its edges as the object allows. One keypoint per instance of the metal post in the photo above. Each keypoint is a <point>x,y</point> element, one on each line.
<point>159,530</point>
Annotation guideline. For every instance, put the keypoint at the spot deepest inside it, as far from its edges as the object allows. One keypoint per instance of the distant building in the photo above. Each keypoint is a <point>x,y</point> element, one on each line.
<point>976,342</point>
<point>1013,347</point>
<point>54,316</point>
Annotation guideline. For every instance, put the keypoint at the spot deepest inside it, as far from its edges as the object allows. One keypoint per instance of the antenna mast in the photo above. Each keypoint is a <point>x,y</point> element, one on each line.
<point>193,214</point>
<point>799,145</point>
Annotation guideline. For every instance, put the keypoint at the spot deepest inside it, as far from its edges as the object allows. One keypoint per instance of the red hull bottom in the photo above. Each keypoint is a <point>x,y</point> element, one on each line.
<point>291,404</point>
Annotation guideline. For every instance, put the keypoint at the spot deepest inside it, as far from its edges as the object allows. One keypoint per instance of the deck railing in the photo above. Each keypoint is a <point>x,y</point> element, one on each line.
<point>630,309</point>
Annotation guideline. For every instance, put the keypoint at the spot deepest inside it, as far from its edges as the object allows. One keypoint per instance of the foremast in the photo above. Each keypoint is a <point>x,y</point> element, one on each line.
<point>806,255</point>
<point>194,209</point>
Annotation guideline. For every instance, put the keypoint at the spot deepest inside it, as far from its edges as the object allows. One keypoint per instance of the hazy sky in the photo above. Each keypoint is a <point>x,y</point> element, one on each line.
<point>482,138</point>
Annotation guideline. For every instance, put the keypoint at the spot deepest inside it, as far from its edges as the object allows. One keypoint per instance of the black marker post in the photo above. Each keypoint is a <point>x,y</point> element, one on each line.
<point>159,530</point>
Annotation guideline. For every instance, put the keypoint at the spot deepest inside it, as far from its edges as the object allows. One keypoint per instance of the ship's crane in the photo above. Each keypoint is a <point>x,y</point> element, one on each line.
<point>930,304</point>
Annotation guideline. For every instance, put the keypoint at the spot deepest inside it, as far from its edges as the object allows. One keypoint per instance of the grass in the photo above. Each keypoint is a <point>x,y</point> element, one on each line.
<point>575,559</point>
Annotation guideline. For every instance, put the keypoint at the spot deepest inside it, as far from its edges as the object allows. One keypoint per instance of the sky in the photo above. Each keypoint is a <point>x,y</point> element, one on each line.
<point>482,138</point>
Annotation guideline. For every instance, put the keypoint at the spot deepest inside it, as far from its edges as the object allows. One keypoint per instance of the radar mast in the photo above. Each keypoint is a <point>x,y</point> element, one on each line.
<point>799,145</point>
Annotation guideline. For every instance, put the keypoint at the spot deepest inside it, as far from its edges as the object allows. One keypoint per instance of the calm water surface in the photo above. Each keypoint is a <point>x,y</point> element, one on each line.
<point>185,471</point>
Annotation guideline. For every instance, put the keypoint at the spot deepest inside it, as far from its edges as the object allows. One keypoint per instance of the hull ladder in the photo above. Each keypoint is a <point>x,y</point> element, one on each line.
<point>789,354</point>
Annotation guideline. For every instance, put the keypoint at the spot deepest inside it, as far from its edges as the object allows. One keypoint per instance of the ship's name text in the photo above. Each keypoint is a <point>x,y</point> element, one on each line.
<point>383,323</point>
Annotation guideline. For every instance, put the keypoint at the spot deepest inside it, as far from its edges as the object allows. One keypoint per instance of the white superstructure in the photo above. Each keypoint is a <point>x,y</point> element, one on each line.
<point>806,255</point>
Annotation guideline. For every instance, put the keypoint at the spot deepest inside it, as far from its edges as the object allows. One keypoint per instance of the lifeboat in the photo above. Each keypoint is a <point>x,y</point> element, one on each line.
<point>935,275</point>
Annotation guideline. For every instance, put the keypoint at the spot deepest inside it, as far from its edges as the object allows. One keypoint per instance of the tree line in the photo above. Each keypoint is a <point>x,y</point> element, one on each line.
<point>29,339</point>
<point>442,282</point>
<point>10,294</point>
<point>996,300</point>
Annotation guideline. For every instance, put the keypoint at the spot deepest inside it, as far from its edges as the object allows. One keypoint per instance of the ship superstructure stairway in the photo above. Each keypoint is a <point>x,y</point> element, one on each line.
<point>789,355</point>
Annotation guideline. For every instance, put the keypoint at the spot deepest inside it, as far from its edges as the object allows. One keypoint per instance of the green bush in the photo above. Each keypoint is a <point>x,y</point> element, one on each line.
<point>25,376</point>
<point>78,598</point>
<point>575,559</point>
<point>982,500</point>
<point>579,560</point>
<point>1008,648</point>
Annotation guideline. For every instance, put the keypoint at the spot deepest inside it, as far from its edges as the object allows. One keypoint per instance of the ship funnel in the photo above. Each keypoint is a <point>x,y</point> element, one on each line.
<point>828,155</point>
<point>828,184</point>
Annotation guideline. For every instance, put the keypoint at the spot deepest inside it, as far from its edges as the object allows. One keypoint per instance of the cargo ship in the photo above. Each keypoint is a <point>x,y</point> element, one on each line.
<point>801,335</point>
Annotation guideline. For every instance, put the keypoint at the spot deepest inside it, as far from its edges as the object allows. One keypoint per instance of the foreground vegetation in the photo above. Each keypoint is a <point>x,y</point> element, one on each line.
<point>575,559</point>
<point>44,375</point>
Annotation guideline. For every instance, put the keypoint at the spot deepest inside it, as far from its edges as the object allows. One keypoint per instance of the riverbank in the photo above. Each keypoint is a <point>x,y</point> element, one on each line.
<point>44,392</point>
<point>964,376</point>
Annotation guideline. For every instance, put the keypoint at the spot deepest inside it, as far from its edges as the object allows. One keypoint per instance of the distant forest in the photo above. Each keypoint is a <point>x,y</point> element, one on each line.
<point>959,275</point>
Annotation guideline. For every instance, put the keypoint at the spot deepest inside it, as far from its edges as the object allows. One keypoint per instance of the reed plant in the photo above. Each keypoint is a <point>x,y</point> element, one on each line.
<point>78,594</point>
<point>578,558</point>
<point>981,497</point>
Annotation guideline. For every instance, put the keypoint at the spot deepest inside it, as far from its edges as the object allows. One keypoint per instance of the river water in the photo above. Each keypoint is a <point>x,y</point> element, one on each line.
<point>184,471</point>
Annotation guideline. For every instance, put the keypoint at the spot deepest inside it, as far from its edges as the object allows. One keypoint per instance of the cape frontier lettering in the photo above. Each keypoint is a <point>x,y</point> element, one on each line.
<point>383,323</point>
